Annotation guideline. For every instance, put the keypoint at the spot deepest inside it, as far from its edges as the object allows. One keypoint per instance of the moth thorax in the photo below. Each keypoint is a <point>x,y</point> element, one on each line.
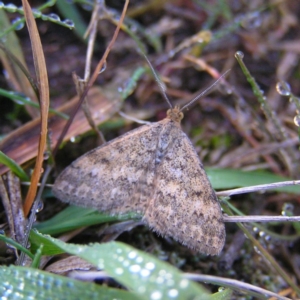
<point>175,114</point>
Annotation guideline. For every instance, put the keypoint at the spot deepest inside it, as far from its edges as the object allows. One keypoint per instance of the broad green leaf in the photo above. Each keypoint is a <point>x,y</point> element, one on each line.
<point>229,178</point>
<point>74,217</point>
<point>28,283</point>
<point>15,244</point>
<point>24,100</point>
<point>13,166</point>
<point>138,271</point>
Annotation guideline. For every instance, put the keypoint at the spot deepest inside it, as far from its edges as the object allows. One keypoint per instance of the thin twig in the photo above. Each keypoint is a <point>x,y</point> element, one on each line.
<point>257,188</point>
<point>32,216</point>
<point>234,284</point>
<point>260,219</point>
<point>231,283</point>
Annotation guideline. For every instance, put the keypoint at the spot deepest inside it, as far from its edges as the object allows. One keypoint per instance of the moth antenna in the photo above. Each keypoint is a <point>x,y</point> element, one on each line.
<point>204,92</point>
<point>159,82</point>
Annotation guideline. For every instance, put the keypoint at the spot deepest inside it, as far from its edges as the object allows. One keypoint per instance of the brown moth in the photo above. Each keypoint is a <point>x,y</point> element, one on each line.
<point>153,170</point>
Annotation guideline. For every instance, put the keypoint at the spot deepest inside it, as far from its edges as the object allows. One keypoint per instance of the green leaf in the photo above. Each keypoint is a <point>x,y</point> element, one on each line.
<point>28,283</point>
<point>136,270</point>
<point>229,178</point>
<point>24,100</point>
<point>49,248</point>
<point>13,166</point>
<point>15,244</point>
<point>71,12</point>
<point>74,217</point>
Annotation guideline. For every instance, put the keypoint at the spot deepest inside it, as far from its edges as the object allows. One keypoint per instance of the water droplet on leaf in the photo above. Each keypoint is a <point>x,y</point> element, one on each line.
<point>297,120</point>
<point>283,88</point>
<point>10,7</point>
<point>239,54</point>
<point>19,25</point>
<point>54,17</point>
<point>69,23</point>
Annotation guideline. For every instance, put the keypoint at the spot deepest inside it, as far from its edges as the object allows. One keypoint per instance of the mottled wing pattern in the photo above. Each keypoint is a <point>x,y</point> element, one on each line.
<point>184,205</point>
<point>117,177</point>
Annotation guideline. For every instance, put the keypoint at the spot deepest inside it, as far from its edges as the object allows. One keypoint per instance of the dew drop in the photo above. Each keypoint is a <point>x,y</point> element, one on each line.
<point>297,120</point>
<point>261,233</point>
<point>73,139</point>
<point>159,280</point>
<point>70,284</point>
<point>257,250</point>
<point>20,97</point>
<point>126,263</point>
<point>267,238</point>
<point>36,13</point>
<point>69,23</point>
<point>287,209</point>
<point>150,266</point>
<point>183,283</point>
<point>132,255</point>
<point>239,55</point>
<point>134,268</point>
<point>173,293</point>
<point>145,273</point>
<point>40,283</point>
<point>283,88</point>
<point>139,260</point>
<point>46,155</point>
<point>19,25</point>
<point>40,206</point>
<point>8,292</point>
<point>57,283</point>
<point>41,276</point>
<point>119,271</point>
<point>156,295</point>
<point>170,282</point>
<point>47,286</point>
<point>80,249</point>
<point>11,7</point>
<point>116,18</point>
<point>100,263</point>
<point>162,273</point>
<point>103,68</point>
<point>54,17</point>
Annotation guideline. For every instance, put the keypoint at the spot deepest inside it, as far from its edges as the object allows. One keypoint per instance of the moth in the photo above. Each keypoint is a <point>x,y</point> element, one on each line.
<point>155,171</point>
